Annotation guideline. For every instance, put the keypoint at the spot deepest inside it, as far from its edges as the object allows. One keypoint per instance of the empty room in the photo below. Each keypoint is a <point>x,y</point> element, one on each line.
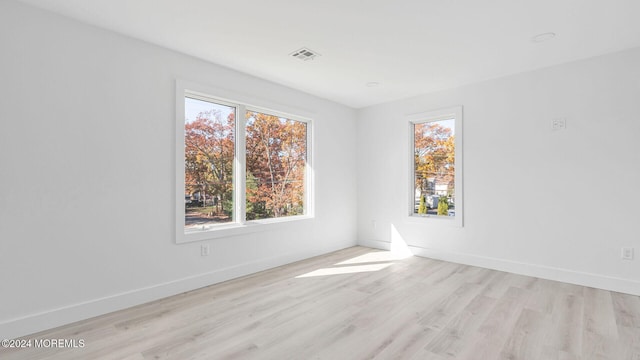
<point>319,180</point>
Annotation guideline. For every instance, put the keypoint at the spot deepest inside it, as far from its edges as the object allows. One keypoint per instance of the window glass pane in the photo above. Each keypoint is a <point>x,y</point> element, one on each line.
<point>276,154</point>
<point>434,168</point>
<point>209,149</point>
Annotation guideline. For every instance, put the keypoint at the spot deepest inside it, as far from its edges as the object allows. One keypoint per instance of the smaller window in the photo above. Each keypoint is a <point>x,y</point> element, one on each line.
<point>436,163</point>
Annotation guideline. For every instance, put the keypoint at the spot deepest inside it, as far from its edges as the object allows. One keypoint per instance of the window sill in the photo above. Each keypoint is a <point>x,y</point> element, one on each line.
<point>453,221</point>
<point>237,229</point>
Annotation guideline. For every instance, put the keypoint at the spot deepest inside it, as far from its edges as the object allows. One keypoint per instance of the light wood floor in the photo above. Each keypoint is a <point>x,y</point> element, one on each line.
<point>361,303</point>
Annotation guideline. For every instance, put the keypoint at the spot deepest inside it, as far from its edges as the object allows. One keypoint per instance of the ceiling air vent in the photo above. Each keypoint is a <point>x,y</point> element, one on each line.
<point>304,54</point>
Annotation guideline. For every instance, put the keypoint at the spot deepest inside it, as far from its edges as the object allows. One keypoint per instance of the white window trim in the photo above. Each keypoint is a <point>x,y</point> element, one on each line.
<point>241,102</point>
<point>454,112</point>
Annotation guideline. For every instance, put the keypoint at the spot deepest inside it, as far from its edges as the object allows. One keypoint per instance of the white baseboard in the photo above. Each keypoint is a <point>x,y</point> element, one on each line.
<point>626,286</point>
<point>33,323</point>
<point>375,244</point>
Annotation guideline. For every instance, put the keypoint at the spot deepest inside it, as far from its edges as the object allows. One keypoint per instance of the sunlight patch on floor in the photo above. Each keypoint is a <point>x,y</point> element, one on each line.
<point>345,270</point>
<point>372,261</point>
<point>373,257</point>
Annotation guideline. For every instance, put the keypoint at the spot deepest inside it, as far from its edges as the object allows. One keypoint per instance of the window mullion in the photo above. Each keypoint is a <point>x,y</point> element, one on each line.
<point>240,195</point>
<point>308,174</point>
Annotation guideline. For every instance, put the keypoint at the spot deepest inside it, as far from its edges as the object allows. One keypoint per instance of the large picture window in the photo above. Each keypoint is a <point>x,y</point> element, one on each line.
<point>237,165</point>
<point>436,162</point>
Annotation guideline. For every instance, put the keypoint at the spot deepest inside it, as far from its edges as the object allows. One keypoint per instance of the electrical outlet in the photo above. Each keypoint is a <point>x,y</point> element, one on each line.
<point>559,124</point>
<point>627,253</point>
<point>374,224</point>
<point>204,250</point>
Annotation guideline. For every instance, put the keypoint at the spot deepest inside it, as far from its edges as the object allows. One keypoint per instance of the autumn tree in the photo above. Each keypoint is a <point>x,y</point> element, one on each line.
<point>276,154</point>
<point>434,157</point>
<point>209,155</point>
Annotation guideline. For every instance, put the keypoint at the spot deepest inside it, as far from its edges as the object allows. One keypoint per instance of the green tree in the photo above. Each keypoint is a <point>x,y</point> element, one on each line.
<point>422,209</point>
<point>443,206</point>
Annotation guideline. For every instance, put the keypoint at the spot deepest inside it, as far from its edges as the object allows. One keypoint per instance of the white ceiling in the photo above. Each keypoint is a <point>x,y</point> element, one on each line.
<point>410,47</point>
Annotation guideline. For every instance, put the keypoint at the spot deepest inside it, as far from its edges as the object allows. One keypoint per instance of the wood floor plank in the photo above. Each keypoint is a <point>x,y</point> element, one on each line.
<point>495,331</point>
<point>565,332</point>
<point>629,343</point>
<point>527,337</point>
<point>627,310</point>
<point>462,329</point>
<point>362,303</point>
<point>600,332</point>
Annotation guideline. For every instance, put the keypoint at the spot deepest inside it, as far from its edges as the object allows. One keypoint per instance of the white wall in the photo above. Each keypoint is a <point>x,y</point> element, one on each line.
<point>557,205</point>
<point>87,161</point>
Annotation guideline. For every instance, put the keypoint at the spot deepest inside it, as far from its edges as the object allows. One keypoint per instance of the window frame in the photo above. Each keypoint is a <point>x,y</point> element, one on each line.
<point>242,103</point>
<point>307,173</point>
<point>455,113</point>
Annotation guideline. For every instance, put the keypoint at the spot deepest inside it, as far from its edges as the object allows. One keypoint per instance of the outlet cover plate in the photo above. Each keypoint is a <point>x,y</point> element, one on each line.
<point>559,124</point>
<point>204,250</point>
